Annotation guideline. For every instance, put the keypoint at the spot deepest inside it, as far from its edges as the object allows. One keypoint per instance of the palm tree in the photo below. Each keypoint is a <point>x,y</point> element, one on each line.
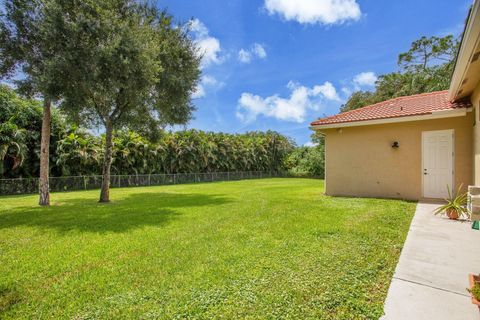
<point>12,145</point>
<point>78,153</point>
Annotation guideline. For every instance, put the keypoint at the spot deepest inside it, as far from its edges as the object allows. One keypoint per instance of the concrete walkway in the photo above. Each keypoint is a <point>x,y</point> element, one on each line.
<point>431,277</point>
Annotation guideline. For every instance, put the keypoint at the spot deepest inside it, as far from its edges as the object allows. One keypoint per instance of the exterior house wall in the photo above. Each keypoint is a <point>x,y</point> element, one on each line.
<point>360,161</point>
<point>475,98</point>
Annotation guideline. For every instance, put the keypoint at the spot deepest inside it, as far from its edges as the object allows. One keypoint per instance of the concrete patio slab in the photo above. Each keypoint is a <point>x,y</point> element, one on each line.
<point>431,277</point>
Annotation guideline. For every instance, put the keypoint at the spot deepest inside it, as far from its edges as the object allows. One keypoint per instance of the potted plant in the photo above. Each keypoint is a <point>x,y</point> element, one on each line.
<point>475,289</point>
<point>455,206</point>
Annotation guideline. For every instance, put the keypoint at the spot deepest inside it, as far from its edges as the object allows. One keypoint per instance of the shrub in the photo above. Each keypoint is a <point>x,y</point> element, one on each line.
<point>306,161</point>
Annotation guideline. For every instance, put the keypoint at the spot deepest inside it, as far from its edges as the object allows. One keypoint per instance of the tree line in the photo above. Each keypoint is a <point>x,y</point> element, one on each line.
<point>76,151</point>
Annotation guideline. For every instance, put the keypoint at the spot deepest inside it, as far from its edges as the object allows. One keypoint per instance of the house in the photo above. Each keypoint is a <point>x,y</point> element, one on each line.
<point>410,147</point>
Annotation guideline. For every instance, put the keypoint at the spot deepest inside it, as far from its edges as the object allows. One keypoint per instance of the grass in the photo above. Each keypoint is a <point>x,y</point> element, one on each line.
<point>269,249</point>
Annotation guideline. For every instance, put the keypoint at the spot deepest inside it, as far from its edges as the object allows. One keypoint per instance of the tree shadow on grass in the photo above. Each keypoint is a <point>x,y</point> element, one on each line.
<point>133,211</point>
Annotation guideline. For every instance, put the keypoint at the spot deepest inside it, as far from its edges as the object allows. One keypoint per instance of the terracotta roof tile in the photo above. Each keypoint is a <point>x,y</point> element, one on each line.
<point>419,104</point>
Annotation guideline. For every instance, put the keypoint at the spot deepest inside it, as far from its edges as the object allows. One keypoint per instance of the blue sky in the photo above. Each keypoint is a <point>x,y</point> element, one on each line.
<point>279,64</point>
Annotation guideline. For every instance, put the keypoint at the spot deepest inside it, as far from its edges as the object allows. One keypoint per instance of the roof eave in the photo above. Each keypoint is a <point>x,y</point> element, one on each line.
<point>469,43</point>
<point>430,116</point>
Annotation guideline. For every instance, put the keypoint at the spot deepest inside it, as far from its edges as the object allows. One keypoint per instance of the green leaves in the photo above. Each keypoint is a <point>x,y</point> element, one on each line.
<point>198,151</point>
<point>307,161</point>
<point>456,202</point>
<point>20,123</point>
<point>427,52</point>
<point>128,64</point>
<point>77,152</point>
<point>475,291</point>
<point>27,43</point>
<point>426,67</point>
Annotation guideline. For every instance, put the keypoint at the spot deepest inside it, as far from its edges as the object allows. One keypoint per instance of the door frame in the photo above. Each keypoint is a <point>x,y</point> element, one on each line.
<point>452,131</point>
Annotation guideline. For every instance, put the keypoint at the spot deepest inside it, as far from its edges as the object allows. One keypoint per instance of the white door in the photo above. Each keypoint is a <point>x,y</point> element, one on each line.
<point>437,171</point>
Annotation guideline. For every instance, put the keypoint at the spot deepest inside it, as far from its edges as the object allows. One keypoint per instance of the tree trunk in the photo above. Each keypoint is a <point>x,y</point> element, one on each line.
<point>107,163</point>
<point>43,187</point>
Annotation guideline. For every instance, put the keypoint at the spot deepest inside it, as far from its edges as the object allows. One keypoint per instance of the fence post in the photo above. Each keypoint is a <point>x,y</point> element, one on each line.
<point>149,178</point>
<point>174,178</point>
<point>84,182</point>
<point>228,175</point>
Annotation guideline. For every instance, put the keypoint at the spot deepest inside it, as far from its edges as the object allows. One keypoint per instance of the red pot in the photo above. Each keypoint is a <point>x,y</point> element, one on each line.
<point>452,214</point>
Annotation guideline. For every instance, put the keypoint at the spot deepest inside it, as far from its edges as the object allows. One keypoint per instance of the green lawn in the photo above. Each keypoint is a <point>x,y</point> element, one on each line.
<point>269,249</point>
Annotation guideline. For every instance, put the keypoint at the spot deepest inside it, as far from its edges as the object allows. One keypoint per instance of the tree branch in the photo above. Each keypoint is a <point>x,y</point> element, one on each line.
<point>102,116</point>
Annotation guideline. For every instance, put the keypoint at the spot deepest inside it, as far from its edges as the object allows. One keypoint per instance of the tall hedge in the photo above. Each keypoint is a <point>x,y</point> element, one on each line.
<point>75,151</point>
<point>79,153</point>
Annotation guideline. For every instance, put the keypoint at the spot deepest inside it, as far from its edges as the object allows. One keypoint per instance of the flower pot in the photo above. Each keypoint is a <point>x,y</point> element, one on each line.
<point>473,279</point>
<point>452,214</point>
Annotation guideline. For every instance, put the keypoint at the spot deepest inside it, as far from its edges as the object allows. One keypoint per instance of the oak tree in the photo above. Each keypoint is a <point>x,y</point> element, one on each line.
<point>30,52</point>
<point>135,69</point>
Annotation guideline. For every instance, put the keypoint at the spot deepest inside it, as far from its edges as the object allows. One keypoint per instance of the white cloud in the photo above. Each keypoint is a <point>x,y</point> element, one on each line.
<point>315,11</point>
<point>293,108</point>
<point>327,90</point>
<point>259,51</point>
<point>362,81</point>
<point>206,83</point>
<point>346,91</point>
<point>198,28</point>
<point>209,47</point>
<point>211,81</point>
<point>365,79</point>
<point>310,144</point>
<point>256,51</point>
<point>244,56</point>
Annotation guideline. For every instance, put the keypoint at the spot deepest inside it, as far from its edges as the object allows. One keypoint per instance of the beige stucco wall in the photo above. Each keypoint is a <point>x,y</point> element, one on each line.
<point>360,161</point>
<point>475,98</point>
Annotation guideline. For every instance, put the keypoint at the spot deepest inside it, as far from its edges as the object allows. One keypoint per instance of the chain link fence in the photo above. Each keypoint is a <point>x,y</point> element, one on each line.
<point>73,183</point>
